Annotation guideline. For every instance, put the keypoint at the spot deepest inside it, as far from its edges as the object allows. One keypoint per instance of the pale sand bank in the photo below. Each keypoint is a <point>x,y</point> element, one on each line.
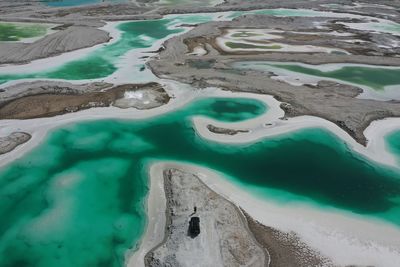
<point>156,219</point>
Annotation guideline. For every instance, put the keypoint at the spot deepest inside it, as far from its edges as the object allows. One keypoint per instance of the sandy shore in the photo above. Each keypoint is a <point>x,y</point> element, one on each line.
<point>156,219</point>
<point>264,126</point>
<point>39,127</point>
<point>271,124</point>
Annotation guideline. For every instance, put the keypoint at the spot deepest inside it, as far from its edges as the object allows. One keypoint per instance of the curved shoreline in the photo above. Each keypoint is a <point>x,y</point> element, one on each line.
<point>375,132</point>
<point>271,124</point>
<point>156,205</point>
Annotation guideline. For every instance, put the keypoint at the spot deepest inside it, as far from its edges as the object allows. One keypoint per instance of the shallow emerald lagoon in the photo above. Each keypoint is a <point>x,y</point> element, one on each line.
<point>282,12</point>
<point>78,198</point>
<point>393,142</point>
<point>374,77</point>
<point>19,31</point>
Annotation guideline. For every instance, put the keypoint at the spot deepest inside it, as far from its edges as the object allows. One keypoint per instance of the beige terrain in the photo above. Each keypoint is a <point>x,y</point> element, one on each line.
<point>51,100</point>
<point>10,142</point>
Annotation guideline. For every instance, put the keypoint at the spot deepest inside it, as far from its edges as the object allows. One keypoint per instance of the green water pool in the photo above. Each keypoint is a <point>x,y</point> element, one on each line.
<point>78,199</point>
<point>393,141</point>
<point>374,77</point>
<point>19,31</point>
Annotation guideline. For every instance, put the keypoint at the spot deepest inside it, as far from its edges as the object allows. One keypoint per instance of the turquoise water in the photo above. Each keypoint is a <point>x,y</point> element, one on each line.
<point>78,198</point>
<point>18,31</point>
<point>374,77</point>
<point>393,141</point>
<point>65,3</point>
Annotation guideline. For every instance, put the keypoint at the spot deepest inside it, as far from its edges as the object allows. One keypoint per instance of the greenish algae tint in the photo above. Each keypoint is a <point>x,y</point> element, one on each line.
<point>373,77</point>
<point>78,199</point>
<point>393,142</point>
<point>20,31</point>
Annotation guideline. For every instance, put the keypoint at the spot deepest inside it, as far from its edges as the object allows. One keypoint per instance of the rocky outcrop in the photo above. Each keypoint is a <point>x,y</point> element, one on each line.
<point>220,130</point>
<point>10,142</point>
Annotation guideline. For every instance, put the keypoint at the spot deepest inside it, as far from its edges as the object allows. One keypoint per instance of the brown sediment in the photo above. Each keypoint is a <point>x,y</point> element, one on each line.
<point>220,130</point>
<point>52,104</point>
<point>285,249</point>
<point>10,142</point>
